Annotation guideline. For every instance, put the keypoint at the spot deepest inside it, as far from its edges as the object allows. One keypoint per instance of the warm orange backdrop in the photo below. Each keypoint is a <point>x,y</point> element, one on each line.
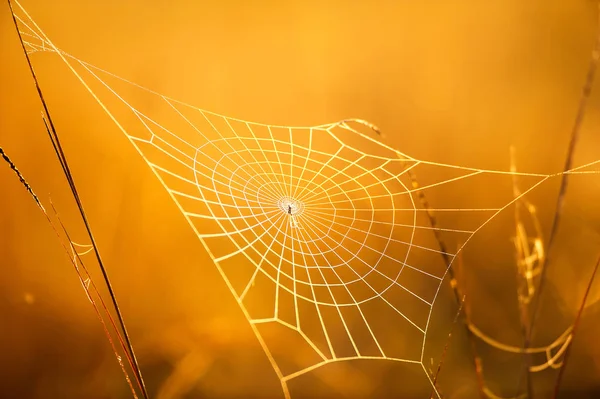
<point>448,81</point>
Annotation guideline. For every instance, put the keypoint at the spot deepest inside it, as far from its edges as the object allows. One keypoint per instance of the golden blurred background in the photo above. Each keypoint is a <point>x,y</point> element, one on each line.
<point>454,82</point>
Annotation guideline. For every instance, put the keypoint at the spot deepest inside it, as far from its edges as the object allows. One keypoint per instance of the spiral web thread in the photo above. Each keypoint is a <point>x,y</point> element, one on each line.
<point>316,231</point>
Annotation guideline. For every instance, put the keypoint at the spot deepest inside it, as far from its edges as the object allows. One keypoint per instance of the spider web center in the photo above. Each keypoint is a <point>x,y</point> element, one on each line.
<point>290,206</point>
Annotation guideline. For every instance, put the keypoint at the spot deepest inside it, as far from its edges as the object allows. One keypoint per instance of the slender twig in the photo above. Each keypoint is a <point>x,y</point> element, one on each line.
<point>448,263</point>
<point>446,346</point>
<point>436,232</point>
<point>478,364</point>
<point>460,299</point>
<point>575,133</point>
<point>575,327</point>
<point>21,178</point>
<point>74,260</point>
<point>62,158</point>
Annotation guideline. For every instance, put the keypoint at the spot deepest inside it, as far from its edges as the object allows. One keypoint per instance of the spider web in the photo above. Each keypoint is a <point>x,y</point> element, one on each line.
<point>317,231</point>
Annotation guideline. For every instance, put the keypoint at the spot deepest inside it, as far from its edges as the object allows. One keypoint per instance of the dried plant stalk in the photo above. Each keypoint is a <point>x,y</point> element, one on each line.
<point>575,133</point>
<point>459,297</point>
<point>52,133</point>
<point>85,278</point>
<point>567,351</point>
<point>446,346</point>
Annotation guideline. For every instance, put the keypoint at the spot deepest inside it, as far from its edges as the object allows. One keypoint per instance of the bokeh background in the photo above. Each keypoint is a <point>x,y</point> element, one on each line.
<point>456,82</point>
